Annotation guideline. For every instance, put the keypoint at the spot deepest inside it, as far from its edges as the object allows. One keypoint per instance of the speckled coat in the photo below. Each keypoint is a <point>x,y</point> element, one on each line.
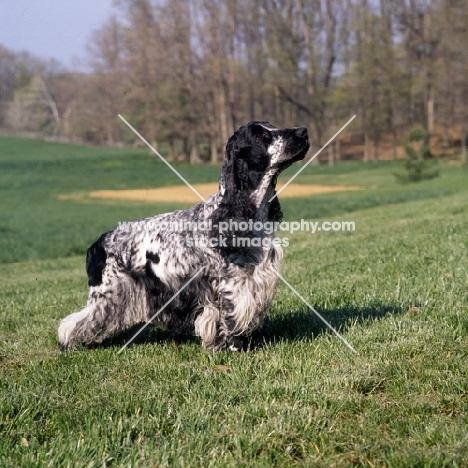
<point>139,267</point>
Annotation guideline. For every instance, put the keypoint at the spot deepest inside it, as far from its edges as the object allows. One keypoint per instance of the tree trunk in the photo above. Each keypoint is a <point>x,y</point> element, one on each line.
<point>173,149</point>
<point>53,107</point>
<point>223,112</point>
<point>366,147</point>
<point>463,156</point>
<point>277,102</point>
<point>376,150</point>
<point>67,119</point>
<point>330,154</point>
<point>312,151</point>
<point>194,157</point>
<point>430,111</point>
<point>213,151</point>
<point>338,150</point>
<point>445,142</point>
<point>155,144</point>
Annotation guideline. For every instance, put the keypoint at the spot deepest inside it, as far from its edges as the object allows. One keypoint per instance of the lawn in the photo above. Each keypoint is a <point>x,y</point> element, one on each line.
<point>396,288</point>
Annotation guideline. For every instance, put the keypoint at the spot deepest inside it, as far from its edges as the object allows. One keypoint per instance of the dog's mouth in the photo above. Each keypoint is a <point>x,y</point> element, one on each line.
<point>296,151</point>
<point>300,154</point>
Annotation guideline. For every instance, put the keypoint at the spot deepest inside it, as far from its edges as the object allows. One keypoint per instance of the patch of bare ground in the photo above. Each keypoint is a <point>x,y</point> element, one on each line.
<point>183,194</point>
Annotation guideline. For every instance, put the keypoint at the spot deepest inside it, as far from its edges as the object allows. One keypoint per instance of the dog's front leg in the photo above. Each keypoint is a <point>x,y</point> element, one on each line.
<point>209,328</point>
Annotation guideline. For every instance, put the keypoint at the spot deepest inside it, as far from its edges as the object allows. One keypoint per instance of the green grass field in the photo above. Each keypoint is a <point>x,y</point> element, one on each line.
<point>396,288</point>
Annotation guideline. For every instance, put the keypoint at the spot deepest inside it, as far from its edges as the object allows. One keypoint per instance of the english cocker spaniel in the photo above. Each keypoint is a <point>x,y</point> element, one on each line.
<point>209,270</point>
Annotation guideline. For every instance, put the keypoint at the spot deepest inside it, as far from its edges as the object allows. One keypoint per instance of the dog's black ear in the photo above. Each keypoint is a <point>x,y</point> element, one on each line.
<point>231,146</point>
<point>241,174</point>
<point>235,205</point>
<point>226,180</point>
<point>275,213</point>
<point>235,165</point>
<point>96,257</point>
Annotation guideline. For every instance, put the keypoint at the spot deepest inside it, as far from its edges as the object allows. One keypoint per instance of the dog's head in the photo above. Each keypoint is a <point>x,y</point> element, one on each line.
<point>258,152</point>
<point>255,155</point>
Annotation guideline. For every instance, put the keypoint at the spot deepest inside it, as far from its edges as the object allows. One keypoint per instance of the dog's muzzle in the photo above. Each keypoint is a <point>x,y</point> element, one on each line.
<point>297,145</point>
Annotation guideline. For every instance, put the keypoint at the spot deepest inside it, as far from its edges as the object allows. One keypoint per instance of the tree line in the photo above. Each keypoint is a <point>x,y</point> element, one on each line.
<point>186,73</point>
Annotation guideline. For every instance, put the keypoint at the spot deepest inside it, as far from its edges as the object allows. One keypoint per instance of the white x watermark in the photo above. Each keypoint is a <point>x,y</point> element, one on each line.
<point>163,160</point>
<point>203,199</point>
<point>312,158</point>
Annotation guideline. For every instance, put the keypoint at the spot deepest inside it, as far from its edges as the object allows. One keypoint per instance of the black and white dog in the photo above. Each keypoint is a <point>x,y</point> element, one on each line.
<point>135,269</point>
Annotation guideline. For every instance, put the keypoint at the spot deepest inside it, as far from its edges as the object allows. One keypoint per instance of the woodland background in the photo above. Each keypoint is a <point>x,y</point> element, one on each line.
<point>187,73</point>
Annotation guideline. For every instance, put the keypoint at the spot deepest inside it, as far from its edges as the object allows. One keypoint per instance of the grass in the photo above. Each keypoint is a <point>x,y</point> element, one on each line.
<point>397,289</point>
<point>35,224</point>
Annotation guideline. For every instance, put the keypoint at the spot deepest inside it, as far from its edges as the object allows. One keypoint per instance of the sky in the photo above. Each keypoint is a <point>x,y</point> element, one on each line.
<point>56,29</point>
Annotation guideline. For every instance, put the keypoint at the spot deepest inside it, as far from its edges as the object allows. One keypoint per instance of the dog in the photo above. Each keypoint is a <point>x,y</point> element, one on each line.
<point>210,270</point>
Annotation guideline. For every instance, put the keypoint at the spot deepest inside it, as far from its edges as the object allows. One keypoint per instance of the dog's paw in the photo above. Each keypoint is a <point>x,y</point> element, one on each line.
<point>67,329</point>
<point>236,343</point>
<point>65,333</point>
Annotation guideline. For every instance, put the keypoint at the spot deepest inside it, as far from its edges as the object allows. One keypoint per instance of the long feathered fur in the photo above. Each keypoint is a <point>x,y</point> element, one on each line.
<point>136,268</point>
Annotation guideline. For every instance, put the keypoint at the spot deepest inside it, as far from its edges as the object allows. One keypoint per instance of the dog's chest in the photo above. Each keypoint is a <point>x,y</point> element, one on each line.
<point>251,289</point>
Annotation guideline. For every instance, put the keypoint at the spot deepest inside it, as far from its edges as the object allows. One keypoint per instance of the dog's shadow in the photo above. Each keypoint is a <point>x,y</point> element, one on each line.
<point>305,324</point>
<point>302,324</point>
<point>149,335</point>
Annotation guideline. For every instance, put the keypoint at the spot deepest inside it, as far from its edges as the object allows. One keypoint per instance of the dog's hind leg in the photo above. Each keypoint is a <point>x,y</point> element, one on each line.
<point>108,313</point>
<point>70,331</point>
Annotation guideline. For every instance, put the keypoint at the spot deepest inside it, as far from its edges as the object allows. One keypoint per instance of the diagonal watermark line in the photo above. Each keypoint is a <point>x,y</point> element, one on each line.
<point>316,313</point>
<point>203,199</point>
<point>160,310</point>
<point>163,160</point>
<point>312,158</point>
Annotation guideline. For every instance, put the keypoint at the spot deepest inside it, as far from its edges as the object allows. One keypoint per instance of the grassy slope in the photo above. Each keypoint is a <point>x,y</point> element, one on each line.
<point>34,224</point>
<point>396,288</point>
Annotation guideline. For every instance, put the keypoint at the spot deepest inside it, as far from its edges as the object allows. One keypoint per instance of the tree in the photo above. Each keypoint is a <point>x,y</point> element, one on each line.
<point>422,35</point>
<point>104,94</point>
<point>455,60</point>
<point>7,81</point>
<point>369,76</point>
<point>304,40</point>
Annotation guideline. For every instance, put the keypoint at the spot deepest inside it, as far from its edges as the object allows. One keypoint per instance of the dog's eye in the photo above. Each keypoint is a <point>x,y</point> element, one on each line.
<point>261,136</point>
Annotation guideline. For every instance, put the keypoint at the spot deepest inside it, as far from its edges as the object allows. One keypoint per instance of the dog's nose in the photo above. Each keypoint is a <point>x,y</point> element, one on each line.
<point>301,132</point>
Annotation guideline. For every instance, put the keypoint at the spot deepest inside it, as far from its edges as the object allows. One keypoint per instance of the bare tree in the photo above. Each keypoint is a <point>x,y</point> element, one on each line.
<point>7,80</point>
<point>305,39</point>
<point>455,60</point>
<point>422,36</point>
<point>104,94</point>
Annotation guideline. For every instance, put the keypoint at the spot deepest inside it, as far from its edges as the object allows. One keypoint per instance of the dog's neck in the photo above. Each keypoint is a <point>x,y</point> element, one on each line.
<point>260,197</point>
<point>263,209</point>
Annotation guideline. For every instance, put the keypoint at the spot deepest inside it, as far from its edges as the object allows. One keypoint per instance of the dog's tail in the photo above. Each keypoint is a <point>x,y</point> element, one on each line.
<point>96,261</point>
